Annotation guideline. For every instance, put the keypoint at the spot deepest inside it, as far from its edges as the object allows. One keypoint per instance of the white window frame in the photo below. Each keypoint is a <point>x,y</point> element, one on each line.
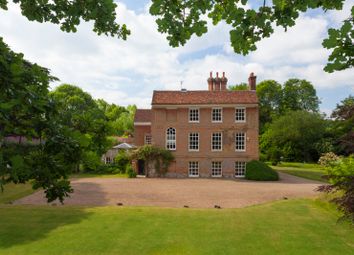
<point>193,169</point>
<point>240,168</point>
<point>216,166</point>
<point>244,141</point>
<point>171,143</point>
<point>212,141</point>
<point>193,147</point>
<point>147,139</point>
<point>108,160</point>
<point>244,114</point>
<point>194,119</point>
<point>212,114</point>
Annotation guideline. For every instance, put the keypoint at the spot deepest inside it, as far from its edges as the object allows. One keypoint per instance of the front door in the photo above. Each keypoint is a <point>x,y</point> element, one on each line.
<point>141,167</point>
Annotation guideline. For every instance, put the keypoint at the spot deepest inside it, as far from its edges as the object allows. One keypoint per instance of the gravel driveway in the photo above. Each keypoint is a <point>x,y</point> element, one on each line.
<point>196,193</point>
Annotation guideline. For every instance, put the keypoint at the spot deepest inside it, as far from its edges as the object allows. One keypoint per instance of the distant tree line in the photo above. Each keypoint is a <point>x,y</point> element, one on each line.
<point>292,127</point>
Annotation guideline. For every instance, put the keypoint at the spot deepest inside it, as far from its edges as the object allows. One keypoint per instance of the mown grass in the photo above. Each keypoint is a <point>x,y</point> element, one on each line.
<point>87,175</point>
<point>13,192</point>
<point>304,170</point>
<point>283,227</point>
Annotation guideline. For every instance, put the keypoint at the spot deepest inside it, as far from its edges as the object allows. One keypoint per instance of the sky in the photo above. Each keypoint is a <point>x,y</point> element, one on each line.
<point>127,72</point>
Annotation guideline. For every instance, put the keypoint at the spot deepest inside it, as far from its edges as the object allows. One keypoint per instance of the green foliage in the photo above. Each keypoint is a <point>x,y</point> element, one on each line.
<point>328,159</point>
<point>69,14</point>
<point>299,95</point>
<point>270,96</point>
<point>183,19</point>
<point>259,171</point>
<point>341,41</point>
<point>80,112</point>
<point>90,161</point>
<point>121,161</point>
<point>129,170</point>
<point>343,129</point>
<point>161,158</point>
<point>294,136</point>
<point>241,86</point>
<point>26,110</point>
<point>341,176</point>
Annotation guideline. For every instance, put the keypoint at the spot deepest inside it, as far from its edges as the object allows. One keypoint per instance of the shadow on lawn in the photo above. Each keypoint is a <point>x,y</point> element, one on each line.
<point>29,223</point>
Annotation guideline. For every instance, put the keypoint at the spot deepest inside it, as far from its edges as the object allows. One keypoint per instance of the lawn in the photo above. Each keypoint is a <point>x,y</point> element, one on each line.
<point>283,227</point>
<point>15,191</point>
<point>87,175</point>
<point>305,170</point>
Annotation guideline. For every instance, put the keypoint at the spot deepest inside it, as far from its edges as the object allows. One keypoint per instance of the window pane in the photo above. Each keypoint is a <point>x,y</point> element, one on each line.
<point>240,168</point>
<point>193,170</point>
<point>240,115</point>
<point>216,170</point>
<point>171,139</point>
<point>240,142</point>
<point>194,141</point>
<point>194,115</point>
<point>216,141</point>
<point>216,115</point>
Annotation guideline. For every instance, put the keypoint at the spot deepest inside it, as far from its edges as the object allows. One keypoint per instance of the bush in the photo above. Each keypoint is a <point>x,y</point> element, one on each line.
<point>121,161</point>
<point>259,171</point>
<point>327,159</point>
<point>90,161</point>
<point>341,178</point>
<point>129,170</point>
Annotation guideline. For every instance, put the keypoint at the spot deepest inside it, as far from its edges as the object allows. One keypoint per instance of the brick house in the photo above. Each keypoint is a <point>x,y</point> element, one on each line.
<point>212,133</point>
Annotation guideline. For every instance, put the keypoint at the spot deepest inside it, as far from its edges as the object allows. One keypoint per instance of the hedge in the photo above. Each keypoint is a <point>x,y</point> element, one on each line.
<point>259,171</point>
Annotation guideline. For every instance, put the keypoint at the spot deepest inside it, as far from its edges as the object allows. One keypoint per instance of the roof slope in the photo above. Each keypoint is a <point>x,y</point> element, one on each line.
<point>142,115</point>
<point>204,97</point>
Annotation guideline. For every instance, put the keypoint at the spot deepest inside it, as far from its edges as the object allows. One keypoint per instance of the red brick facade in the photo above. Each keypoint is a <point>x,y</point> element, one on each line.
<point>193,140</point>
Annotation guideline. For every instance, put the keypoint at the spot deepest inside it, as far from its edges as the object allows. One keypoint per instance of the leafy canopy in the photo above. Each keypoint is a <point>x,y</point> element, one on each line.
<point>68,14</point>
<point>27,111</point>
<point>182,19</point>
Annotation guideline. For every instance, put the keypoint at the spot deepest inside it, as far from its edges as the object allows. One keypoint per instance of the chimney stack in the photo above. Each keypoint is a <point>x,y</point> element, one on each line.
<point>223,81</point>
<point>252,81</point>
<point>210,82</point>
<point>217,83</point>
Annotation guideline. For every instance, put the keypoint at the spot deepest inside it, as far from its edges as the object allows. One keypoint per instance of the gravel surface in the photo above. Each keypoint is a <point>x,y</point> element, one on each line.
<point>194,193</point>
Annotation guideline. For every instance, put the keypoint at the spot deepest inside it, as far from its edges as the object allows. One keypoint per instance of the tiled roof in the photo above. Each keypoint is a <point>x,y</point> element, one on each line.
<point>142,115</point>
<point>204,97</point>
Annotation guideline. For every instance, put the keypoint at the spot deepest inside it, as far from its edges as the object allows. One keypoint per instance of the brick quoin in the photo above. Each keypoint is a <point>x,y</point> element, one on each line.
<point>171,109</point>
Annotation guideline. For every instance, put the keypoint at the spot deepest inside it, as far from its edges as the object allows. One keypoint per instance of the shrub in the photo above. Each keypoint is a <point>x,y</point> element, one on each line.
<point>121,161</point>
<point>129,170</point>
<point>327,159</point>
<point>259,171</point>
<point>341,178</point>
<point>90,161</point>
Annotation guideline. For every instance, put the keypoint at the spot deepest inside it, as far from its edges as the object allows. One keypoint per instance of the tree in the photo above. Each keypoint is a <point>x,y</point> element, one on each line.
<point>79,111</point>
<point>270,96</point>
<point>344,125</point>
<point>25,110</point>
<point>299,95</point>
<point>341,41</point>
<point>294,136</point>
<point>241,86</point>
<point>68,14</point>
<point>180,20</point>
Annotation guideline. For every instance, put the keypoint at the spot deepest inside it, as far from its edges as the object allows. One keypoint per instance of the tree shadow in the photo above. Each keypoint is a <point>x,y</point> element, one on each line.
<point>22,224</point>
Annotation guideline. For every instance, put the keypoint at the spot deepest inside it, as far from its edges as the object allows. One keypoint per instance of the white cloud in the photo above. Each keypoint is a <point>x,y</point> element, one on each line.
<point>126,72</point>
